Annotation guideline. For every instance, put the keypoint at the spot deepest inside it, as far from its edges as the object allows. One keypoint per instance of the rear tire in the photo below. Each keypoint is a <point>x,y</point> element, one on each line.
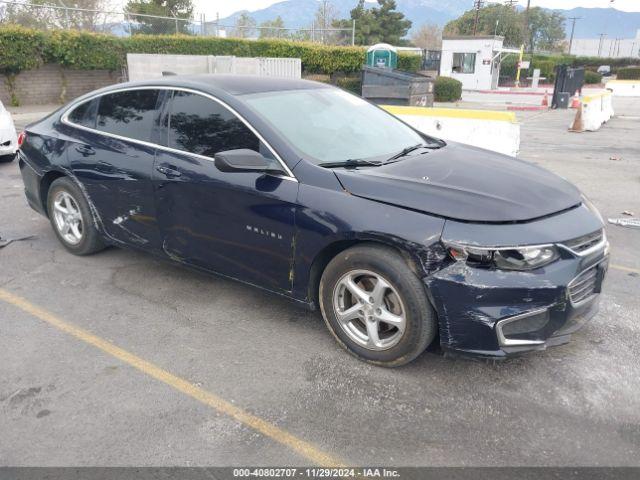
<point>71,218</point>
<point>376,307</point>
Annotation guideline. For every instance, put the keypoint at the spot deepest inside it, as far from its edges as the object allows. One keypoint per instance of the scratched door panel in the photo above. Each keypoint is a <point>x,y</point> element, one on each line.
<point>237,224</point>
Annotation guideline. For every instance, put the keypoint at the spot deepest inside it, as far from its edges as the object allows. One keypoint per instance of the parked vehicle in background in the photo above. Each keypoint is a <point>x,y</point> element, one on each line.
<point>604,70</point>
<point>310,192</point>
<point>8,137</point>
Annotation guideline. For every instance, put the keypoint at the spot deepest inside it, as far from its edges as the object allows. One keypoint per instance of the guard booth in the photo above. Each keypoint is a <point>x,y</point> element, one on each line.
<point>382,55</point>
<point>474,61</point>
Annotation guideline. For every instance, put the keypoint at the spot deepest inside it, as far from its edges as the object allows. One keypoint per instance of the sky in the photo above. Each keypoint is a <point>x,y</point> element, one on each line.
<point>227,7</point>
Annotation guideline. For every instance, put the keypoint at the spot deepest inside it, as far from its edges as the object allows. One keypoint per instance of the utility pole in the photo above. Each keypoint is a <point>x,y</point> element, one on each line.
<point>573,27</point>
<point>477,5</point>
<point>602,35</point>
<point>527,34</point>
<point>511,3</point>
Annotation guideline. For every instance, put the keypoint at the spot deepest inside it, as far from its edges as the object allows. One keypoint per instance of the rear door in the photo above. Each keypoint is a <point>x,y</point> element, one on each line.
<point>113,158</point>
<point>237,224</point>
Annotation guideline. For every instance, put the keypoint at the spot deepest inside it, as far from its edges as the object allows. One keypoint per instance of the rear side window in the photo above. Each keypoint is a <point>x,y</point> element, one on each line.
<point>129,114</point>
<point>84,114</point>
<point>199,125</point>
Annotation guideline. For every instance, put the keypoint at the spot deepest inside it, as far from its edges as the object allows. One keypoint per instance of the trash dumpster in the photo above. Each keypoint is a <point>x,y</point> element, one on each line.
<point>394,87</point>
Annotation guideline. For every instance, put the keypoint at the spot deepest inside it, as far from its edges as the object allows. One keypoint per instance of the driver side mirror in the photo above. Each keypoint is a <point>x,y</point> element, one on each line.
<point>242,160</point>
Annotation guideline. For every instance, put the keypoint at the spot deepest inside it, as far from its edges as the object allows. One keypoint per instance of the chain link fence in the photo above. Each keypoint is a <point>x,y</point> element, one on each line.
<point>124,24</point>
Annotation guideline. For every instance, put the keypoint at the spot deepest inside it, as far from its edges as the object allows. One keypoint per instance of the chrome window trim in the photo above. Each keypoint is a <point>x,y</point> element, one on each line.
<point>65,119</point>
<point>506,342</point>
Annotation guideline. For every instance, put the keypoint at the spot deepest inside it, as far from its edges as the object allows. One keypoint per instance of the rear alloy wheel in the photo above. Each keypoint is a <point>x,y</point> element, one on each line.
<point>375,306</point>
<point>71,218</point>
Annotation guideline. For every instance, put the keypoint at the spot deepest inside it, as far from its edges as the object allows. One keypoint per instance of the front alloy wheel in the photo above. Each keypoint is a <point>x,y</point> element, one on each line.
<point>369,310</point>
<point>375,306</point>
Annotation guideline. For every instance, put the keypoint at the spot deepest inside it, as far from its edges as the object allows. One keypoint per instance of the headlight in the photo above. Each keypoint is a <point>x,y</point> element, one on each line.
<point>517,258</point>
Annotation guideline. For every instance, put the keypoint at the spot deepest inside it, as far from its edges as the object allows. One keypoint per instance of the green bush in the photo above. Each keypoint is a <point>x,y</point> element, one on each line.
<point>23,49</point>
<point>447,89</point>
<point>352,84</point>
<point>20,49</point>
<point>84,51</point>
<point>591,77</point>
<point>629,73</point>
<point>409,62</point>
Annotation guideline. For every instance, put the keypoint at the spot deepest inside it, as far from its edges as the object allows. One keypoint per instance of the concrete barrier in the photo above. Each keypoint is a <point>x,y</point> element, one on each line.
<point>624,88</point>
<point>497,131</point>
<point>595,110</point>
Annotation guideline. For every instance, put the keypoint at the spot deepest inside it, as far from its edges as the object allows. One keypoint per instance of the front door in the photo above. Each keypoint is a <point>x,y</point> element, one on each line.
<point>238,224</point>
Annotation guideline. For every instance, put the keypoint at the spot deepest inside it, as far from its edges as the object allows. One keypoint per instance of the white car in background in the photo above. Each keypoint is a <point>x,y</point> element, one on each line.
<point>8,136</point>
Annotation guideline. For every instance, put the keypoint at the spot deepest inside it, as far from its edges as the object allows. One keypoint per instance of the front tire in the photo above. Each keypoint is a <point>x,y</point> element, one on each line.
<point>71,218</point>
<point>376,307</point>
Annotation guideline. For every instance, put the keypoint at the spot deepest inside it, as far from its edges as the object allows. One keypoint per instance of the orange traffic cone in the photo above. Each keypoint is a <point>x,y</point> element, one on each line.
<point>575,103</point>
<point>545,100</point>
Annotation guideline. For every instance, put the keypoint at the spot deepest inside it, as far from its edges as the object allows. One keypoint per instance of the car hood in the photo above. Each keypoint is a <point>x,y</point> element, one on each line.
<point>464,183</point>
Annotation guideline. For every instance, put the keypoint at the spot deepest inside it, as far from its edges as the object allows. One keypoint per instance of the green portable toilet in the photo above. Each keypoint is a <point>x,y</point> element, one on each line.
<point>382,55</point>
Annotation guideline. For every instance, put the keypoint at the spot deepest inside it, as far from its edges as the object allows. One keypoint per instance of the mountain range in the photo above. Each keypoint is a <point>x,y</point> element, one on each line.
<point>592,22</point>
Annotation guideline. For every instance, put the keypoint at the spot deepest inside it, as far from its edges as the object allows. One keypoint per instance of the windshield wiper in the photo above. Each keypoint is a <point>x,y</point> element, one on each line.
<point>350,163</point>
<point>405,151</point>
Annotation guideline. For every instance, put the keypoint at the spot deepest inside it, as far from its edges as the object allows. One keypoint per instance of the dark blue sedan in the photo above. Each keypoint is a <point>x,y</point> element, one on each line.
<point>315,194</point>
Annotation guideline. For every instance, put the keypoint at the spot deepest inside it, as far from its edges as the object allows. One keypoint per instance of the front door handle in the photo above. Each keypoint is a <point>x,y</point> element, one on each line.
<point>85,150</point>
<point>169,172</point>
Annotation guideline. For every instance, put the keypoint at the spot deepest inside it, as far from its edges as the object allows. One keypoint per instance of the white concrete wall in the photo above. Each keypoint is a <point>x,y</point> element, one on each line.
<point>611,47</point>
<point>147,66</point>
<point>496,131</point>
<point>483,48</point>
<point>595,110</point>
<point>624,88</point>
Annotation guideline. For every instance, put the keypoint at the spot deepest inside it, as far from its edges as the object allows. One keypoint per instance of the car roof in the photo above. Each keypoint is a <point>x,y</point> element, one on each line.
<point>231,84</point>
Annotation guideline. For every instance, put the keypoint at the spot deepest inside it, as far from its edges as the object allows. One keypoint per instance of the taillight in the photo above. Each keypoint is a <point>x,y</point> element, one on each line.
<point>21,138</point>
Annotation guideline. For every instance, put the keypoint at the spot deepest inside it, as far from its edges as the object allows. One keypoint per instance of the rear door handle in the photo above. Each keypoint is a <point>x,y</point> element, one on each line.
<point>85,150</point>
<point>169,172</point>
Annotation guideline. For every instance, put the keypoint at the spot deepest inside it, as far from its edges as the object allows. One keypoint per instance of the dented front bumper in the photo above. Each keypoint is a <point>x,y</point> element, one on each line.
<point>496,313</point>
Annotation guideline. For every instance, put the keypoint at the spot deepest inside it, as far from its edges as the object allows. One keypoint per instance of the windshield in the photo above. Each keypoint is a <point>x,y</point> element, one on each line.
<point>330,125</point>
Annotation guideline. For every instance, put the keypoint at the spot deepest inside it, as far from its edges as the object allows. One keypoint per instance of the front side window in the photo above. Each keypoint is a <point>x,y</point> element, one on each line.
<point>464,62</point>
<point>331,125</point>
<point>199,125</point>
<point>128,114</point>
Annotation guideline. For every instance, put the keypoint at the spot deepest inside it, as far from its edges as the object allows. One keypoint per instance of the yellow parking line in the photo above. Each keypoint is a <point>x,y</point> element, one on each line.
<point>301,447</point>
<point>625,269</point>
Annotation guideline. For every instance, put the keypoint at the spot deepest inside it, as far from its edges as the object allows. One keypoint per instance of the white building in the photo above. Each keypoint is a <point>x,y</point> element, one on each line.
<point>607,47</point>
<point>474,61</point>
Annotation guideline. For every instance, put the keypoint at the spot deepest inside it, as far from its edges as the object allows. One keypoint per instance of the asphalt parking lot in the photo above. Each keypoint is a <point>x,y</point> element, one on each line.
<point>121,359</point>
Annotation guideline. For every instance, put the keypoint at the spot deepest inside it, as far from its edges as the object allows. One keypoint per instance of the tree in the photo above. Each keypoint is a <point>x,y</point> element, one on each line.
<point>428,36</point>
<point>272,28</point>
<point>37,15</point>
<point>325,17</point>
<point>546,28</point>
<point>245,26</point>
<point>509,23</point>
<point>178,9</point>
<point>378,24</point>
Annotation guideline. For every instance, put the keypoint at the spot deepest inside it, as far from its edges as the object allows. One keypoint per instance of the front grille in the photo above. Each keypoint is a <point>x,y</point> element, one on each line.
<point>585,242</point>
<point>584,285</point>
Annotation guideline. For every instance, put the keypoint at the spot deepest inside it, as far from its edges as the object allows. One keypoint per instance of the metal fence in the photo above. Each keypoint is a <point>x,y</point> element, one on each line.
<point>123,23</point>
